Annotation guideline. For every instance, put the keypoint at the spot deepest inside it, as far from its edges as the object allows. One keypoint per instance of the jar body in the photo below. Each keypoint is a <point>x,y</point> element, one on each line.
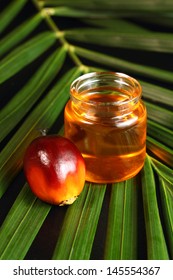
<point>109,128</point>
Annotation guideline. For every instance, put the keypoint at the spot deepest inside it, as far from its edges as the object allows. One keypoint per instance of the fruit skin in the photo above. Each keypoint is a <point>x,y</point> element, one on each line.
<point>54,169</point>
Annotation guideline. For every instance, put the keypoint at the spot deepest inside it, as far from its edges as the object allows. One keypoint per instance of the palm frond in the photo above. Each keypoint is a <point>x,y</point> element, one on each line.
<point>41,54</point>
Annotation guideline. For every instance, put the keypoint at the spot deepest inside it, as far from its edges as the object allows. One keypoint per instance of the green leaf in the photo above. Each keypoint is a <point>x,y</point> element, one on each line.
<point>162,170</point>
<point>156,244</point>
<point>10,12</point>
<point>156,94</point>
<point>133,7</point>
<point>21,103</point>
<point>160,115</point>
<point>160,150</point>
<point>25,54</point>
<point>158,42</point>
<point>70,12</point>
<point>165,175</point>
<point>116,24</point>
<point>166,190</point>
<point>160,133</point>
<point>81,220</point>
<point>16,231</point>
<point>123,65</point>
<point>18,34</point>
<point>121,239</point>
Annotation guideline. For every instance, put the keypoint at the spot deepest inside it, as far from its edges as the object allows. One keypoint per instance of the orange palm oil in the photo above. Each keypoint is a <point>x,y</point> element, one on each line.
<point>106,119</point>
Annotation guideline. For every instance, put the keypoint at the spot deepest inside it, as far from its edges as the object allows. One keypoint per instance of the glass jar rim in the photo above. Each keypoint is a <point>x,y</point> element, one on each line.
<point>134,87</point>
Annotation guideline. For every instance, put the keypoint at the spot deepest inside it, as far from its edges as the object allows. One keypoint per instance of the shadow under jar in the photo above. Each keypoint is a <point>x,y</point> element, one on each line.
<point>106,119</point>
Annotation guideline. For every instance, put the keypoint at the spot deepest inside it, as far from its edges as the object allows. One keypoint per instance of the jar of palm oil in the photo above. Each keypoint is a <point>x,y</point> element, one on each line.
<point>106,119</point>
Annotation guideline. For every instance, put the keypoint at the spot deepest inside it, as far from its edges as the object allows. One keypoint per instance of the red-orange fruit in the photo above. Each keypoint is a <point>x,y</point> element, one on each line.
<point>54,169</point>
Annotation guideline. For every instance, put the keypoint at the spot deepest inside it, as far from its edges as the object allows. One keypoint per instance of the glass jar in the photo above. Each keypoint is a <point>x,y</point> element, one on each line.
<point>106,119</point>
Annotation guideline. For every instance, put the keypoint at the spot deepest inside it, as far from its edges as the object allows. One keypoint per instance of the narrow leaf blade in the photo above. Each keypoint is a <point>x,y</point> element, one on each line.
<point>124,65</point>
<point>18,34</point>
<point>166,190</point>
<point>121,239</point>
<point>21,103</point>
<point>21,225</point>
<point>156,245</point>
<point>10,13</point>
<point>85,216</point>
<point>25,54</point>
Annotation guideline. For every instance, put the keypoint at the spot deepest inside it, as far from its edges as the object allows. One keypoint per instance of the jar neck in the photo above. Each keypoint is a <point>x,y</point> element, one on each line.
<point>105,95</point>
